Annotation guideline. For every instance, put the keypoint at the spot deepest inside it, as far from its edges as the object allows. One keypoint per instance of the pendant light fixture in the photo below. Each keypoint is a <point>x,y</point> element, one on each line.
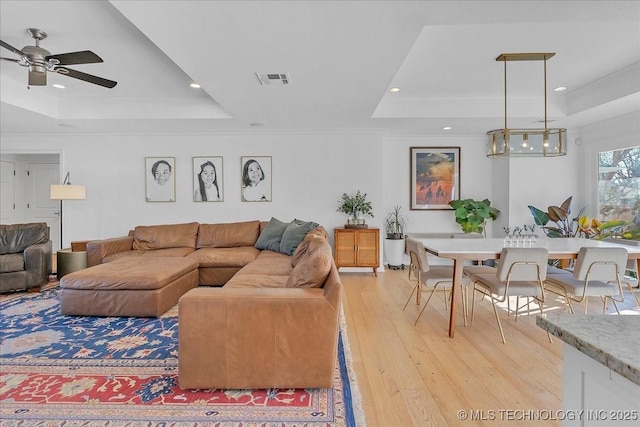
<point>546,142</point>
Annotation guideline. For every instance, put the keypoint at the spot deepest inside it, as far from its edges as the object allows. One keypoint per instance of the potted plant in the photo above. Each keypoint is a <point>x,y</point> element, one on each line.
<point>355,206</point>
<point>394,225</point>
<point>580,225</point>
<point>472,215</point>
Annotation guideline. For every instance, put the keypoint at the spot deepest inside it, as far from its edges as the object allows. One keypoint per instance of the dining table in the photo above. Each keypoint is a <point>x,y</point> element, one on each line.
<point>465,251</point>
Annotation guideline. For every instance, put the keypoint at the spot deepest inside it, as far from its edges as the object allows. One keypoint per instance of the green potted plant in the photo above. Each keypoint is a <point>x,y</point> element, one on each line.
<point>394,225</point>
<point>580,225</point>
<point>356,206</point>
<point>472,215</point>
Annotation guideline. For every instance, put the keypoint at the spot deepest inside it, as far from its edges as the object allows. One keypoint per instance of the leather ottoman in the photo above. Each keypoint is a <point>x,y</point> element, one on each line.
<point>134,287</point>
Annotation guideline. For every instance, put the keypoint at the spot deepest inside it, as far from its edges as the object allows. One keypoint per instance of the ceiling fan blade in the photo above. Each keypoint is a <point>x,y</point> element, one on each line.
<point>10,59</point>
<point>12,49</point>
<point>73,58</point>
<point>85,77</point>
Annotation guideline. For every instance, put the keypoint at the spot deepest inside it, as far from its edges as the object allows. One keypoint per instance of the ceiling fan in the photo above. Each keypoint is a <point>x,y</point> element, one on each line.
<point>40,60</point>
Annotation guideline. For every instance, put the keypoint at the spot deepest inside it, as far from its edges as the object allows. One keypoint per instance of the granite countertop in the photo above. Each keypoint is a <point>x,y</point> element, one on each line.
<point>613,340</point>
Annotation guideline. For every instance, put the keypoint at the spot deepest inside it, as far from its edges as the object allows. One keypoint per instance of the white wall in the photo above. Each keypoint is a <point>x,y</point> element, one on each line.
<point>475,179</point>
<point>310,173</point>
<point>542,182</point>
<point>510,184</point>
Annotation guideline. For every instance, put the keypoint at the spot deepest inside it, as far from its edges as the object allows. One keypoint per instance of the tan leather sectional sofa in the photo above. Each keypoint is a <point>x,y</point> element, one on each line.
<point>265,319</point>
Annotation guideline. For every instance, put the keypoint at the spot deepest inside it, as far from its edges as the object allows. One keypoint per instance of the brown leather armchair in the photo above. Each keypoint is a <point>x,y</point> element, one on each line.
<point>25,256</point>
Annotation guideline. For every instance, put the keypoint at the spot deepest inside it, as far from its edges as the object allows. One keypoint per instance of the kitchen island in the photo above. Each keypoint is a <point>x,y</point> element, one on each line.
<point>601,367</point>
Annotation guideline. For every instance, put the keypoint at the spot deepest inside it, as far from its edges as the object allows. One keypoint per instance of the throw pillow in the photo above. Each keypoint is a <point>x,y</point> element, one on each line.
<point>293,235</point>
<point>271,235</point>
<point>300,252</point>
<point>313,269</point>
<point>309,244</point>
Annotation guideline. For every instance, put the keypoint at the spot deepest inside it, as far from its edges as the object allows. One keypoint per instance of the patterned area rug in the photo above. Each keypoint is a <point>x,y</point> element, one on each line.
<point>110,371</point>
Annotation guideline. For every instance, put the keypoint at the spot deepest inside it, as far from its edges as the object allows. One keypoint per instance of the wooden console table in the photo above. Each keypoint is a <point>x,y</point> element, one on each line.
<point>357,247</point>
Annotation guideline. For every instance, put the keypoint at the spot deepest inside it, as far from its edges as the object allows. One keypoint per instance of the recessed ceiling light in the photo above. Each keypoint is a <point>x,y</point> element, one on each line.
<point>195,85</point>
<point>447,128</point>
<point>394,90</point>
<point>560,89</point>
<point>58,86</point>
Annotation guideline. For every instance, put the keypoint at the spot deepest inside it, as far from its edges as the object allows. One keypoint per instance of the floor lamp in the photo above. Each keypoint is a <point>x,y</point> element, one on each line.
<point>66,191</point>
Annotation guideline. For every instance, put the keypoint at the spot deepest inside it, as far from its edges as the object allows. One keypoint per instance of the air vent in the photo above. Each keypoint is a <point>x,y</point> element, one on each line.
<point>273,78</point>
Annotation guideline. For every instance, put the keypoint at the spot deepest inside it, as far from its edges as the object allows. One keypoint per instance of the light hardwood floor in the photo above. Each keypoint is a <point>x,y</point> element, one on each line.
<point>417,376</point>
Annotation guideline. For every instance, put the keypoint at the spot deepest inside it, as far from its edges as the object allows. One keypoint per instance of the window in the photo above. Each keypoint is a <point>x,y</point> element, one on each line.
<point>619,189</point>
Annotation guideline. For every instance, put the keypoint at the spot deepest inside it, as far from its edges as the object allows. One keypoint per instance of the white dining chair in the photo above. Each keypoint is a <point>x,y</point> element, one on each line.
<point>520,273</point>
<point>430,277</point>
<point>632,282</point>
<point>597,272</point>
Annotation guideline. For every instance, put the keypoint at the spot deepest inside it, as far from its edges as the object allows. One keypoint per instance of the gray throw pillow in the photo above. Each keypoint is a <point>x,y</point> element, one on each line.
<point>294,234</point>
<point>271,235</point>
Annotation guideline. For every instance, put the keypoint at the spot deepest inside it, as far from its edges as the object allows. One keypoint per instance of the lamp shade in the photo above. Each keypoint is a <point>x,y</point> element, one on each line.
<point>68,192</point>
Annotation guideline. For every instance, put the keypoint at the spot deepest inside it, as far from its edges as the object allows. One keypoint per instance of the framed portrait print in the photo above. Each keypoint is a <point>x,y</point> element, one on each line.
<point>435,177</point>
<point>256,178</point>
<point>160,180</point>
<point>208,179</point>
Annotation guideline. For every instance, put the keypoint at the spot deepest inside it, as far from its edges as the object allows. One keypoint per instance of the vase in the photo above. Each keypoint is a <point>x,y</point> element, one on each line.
<point>355,222</point>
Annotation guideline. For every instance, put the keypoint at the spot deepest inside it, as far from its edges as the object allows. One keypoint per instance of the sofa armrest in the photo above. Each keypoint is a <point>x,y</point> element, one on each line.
<point>257,338</point>
<point>97,250</point>
<point>37,263</point>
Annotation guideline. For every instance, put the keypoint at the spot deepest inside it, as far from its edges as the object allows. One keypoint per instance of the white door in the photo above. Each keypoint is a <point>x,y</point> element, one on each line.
<point>40,208</point>
<point>7,192</point>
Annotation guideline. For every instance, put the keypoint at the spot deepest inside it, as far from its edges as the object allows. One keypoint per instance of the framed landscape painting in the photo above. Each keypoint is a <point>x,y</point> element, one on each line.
<point>435,177</point>
<point>208,179</point>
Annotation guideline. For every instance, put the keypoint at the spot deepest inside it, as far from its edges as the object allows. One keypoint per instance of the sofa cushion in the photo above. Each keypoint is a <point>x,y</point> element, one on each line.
<point>294,234</point>
<point>229,235</point>
<point>256,281</point>
<point>269,263</point>
<point>313,268</point>
<point>15,238</point>
<point>224,257</point>
<point>153,237</point>
<point>11,262</point>
<point>271,236</point>
<point>169,252</point>
<point>301,250</point>
<point>126,254</point>
<point>130,273</point>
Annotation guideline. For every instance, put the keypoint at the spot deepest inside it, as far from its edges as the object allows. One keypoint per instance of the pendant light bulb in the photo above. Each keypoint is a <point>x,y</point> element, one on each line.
<point>545,139</point>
